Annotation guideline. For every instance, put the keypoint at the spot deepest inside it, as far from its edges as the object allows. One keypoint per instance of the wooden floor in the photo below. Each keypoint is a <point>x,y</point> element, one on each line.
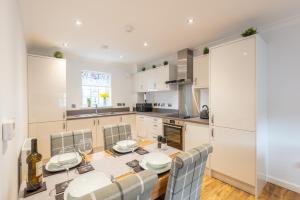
<point>213,189</point>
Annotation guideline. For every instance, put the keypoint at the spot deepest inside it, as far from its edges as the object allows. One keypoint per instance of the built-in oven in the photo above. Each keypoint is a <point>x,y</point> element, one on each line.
<point>173,132</point>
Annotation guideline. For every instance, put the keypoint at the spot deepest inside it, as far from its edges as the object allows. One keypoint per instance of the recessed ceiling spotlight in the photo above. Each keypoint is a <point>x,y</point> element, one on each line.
<point>78,22</point>
<point>128,28</point>
<point>145,44</point>
<point>65,44</point>
<point>121,56</point>
<point>104,46</point>
<point>190,20</point>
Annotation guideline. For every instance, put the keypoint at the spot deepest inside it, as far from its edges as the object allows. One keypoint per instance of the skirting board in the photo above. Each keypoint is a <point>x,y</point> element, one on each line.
<point>285,184</point>
<point>236,183</point>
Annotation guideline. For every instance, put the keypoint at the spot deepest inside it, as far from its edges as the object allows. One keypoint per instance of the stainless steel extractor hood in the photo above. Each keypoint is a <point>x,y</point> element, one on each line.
<point>184,67</point>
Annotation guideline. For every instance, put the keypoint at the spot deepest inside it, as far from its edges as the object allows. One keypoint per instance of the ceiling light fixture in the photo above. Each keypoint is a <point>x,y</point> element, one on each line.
<point>145,44</point>
<point>190,20</point>
<point>121,56</point>
<point>78,22</point>
<point>65,44</point>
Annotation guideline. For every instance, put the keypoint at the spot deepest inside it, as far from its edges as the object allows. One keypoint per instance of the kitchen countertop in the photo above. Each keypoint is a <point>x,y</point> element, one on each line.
<point>150,114</point>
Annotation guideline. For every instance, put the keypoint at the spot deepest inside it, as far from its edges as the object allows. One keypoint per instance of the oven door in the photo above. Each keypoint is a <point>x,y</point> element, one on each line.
<point>173,134</point>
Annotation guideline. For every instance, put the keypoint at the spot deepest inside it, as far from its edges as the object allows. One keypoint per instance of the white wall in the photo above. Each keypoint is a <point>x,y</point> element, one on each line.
<point>122,80</point>
<point>12,94</point>
<point>283,102</point>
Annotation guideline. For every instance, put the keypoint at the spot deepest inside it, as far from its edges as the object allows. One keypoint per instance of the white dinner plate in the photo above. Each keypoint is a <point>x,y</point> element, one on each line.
<point>146,166</point>
<point>53,166</point>
<point>125,144</point>
<point>85,184</point>
<point>157,160</point>
<point>120,150</point>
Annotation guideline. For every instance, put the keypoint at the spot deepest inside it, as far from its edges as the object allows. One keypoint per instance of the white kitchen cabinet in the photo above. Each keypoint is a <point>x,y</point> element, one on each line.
<point>79,124</point>
<point>46,89</point>
<point>234,154</point>
<point>42,132</point>
<point>238,113</point>
<point>141,126</point>
<point>196,135</point>
<point>200,71</point>
<point>149,127</point>
<point>155,79</point>
<point>232,85</point>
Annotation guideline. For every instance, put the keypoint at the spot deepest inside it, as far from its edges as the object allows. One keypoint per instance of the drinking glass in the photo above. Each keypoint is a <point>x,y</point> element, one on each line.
<point>85,147</point>
<point>66,165</point>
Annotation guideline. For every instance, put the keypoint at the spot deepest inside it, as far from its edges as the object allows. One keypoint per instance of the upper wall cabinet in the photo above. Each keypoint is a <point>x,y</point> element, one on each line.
<point>154,79</point>
<point>46,89</point>
<point>200,71</point>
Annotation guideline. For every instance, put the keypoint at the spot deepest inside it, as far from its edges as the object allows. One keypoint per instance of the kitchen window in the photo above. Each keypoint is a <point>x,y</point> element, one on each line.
<point>96,89</point>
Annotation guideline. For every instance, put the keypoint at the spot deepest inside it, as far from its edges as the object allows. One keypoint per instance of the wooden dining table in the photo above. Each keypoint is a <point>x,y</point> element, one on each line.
<point>110,164</point>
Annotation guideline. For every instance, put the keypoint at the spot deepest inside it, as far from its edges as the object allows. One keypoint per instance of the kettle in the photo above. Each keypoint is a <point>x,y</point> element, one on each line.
<point>204,113</point>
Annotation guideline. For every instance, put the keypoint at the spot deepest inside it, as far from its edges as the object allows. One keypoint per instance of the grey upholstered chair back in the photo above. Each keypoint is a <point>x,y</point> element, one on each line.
<point>134,187</point>
<point>80,135</point>
<point>111,136</point>
<point>61,142</point>
<point>125,131</point>
<point>187,173</point>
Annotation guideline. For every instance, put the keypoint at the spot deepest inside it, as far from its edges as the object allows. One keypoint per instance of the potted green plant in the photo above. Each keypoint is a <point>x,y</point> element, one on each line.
<point>249,31</point>
<point>166,62</point>
<point>58,54</point>
<point>206,50</point>
<point>153,66</point>
<point>89,102</point>
<point>143,69</point>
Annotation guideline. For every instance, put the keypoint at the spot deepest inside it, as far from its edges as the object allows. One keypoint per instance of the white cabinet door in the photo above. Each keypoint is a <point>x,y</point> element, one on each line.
<point>232,85</point>
<point>200,71</point>
<point>154,126</point>
<point>234,154</point>
<point>141,83</point>
<point>78,124</point>
<point>141,126</point>
<point>196,135</point>
<point>162,75</point>
<point>42,132</point>
<point>105,121</point>
<point>130,119</point>
<point>46,89</point>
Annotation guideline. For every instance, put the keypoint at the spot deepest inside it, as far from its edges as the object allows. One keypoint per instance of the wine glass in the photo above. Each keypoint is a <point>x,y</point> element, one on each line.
<point>67,164</point>
<point>85,147</point>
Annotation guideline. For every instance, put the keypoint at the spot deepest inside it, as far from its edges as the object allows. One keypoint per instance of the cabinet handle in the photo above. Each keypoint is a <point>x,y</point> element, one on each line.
<point>212,133</point>
<point>64,126</point>
<point>98,122</point>
<point>94,122</point>
<point>64,115</point>
<point>212,119</point>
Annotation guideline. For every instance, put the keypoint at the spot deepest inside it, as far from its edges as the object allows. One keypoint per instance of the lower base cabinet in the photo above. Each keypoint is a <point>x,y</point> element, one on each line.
<point>195,135</point>
<point>234,154</point>
<point>42,132</point>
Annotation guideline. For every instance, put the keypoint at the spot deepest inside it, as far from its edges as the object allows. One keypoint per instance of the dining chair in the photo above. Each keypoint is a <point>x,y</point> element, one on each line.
<point>110,136</point>
<point>81,135</point>
<point>187,173</point>
<point>137,186</point>
<point>61,142</point>
<point>125,131</point>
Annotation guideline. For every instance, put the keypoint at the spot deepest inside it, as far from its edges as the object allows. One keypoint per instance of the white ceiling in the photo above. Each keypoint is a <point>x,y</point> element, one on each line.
<point>162,23</point>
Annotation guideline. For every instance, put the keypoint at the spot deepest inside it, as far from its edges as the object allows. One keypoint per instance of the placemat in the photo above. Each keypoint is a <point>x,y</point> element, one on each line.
<point>141,151</point>
<point>60,187</point>
<point>134,164</point>
<point>85,168</point>
<point>41,189</point>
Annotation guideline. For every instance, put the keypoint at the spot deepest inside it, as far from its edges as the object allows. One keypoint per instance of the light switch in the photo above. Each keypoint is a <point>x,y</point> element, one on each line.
<point>8,130</point>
